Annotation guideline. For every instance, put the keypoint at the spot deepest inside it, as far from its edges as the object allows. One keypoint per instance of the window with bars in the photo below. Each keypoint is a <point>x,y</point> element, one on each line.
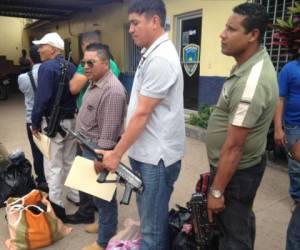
<point>132,53</point>
<point>276,9</point>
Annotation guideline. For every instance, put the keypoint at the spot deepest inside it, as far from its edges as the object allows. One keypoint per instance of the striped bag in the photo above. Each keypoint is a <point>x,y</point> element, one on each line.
<point>32,223</point>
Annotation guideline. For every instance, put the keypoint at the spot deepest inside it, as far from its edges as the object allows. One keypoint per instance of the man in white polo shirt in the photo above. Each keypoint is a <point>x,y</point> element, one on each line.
<point>155,133</point>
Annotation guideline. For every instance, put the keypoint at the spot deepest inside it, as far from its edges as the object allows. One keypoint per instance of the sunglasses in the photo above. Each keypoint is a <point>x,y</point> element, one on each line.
<point>90,63</point>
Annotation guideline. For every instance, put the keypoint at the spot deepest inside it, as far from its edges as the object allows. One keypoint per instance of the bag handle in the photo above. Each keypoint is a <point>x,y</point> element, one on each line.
<point>14,209</point>
<point>35,206</point>
<point>20,209</point>
<point>19,201</point>
<point>22,199</point>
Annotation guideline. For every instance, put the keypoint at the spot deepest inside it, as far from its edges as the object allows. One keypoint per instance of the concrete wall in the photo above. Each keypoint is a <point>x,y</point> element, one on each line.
<point>214,66</point>
<point>111,20</point>
<point>108,19</point>
<point>214,16</point>
<point>11,42</point>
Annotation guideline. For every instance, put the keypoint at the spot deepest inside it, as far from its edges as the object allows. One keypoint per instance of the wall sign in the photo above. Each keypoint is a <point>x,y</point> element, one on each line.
<point>191,54</point>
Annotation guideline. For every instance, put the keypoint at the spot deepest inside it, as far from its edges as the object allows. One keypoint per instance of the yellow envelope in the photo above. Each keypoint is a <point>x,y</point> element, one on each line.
<point>44,145</point>
<point>83,177</point>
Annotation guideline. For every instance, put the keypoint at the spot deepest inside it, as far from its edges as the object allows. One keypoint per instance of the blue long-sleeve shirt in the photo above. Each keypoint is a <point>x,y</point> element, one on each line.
<point>49,76</point>
<point>289,88</point>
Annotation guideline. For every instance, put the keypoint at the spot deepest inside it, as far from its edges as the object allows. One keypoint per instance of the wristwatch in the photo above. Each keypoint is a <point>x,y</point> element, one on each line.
<point>215,193</point>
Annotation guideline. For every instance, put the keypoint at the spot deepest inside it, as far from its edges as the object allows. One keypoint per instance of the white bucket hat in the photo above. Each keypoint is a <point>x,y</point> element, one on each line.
<point>52,39</point>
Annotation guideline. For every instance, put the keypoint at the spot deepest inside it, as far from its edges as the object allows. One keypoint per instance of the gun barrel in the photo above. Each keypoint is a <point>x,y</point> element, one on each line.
<point>84,142</point>
<point>131,180</point>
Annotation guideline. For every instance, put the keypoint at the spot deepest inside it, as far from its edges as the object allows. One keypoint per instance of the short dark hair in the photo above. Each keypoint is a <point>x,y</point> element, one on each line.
<point>101,50</point>
<point>256,17</point>
<point>108,51</point>
<point>149,8</point>
<point>91,37</point>
<point>24,52</point>
<point>34,54</point>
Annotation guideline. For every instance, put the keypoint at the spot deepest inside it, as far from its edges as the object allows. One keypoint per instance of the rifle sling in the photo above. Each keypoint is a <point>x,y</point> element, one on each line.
<point>57,103</point>
<point>29,73</point>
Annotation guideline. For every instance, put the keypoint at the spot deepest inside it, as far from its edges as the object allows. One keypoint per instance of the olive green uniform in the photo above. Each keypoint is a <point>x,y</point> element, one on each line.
<point>247,100</point>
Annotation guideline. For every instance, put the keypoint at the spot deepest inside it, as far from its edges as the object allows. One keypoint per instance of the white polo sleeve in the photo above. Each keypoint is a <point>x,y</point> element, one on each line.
<point>158,77</point>
<point>23,81</point>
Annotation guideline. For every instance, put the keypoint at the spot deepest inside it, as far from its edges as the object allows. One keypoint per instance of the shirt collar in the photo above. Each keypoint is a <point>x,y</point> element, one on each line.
<point>238,71</point>
<point>59,57</point>
<point>102,80</point>
<point>163,38</point>
<point>35,66</point>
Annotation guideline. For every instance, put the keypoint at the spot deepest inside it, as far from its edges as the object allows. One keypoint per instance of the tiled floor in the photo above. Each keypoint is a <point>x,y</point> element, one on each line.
<point>271,206</point>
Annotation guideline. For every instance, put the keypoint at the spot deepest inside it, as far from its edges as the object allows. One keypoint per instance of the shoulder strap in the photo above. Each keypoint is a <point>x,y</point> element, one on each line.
<point>32,81</point>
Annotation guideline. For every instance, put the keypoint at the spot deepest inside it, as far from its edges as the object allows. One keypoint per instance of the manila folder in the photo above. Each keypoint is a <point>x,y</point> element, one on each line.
<point>43,145</point>
<point>83,177</point>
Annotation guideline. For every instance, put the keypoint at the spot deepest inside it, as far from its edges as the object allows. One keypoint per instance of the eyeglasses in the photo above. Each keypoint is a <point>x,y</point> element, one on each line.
<point>90,63</point>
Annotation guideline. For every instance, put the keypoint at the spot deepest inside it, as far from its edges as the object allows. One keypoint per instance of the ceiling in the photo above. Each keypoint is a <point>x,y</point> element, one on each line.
<point>48,9</point>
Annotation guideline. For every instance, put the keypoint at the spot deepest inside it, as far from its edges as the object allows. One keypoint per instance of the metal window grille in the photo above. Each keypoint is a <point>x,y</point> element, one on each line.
<point>276,9</point>
<point>132,53</point>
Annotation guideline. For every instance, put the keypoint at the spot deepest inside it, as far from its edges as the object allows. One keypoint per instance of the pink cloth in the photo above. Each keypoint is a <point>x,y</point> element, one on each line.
<point>187,228</point>
<point>124,245</point>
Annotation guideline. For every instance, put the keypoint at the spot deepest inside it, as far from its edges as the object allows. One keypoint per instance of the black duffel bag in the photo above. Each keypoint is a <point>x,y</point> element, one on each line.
<point>16,178</point>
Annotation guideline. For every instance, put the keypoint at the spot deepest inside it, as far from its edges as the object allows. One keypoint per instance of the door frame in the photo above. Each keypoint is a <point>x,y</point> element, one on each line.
<point>179,19</point>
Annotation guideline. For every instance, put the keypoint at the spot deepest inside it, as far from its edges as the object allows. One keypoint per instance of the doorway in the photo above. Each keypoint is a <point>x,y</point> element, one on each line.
<point>188,45</point>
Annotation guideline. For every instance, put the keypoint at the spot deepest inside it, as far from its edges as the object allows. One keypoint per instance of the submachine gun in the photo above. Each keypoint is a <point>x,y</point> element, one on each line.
<point>53,122</point>
<point>206,234</point>
<point>125,175</point>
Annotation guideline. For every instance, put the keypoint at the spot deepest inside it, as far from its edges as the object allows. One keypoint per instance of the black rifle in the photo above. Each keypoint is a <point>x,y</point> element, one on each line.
<point>126,176</point>
<point>206,233</point>
<point>53,123</point>
<point>201,225</point>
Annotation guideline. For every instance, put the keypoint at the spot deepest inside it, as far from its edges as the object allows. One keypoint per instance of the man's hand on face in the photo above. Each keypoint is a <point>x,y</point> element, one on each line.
<point>215,206</point>
<point>36,133</point>
<point>110,159</point>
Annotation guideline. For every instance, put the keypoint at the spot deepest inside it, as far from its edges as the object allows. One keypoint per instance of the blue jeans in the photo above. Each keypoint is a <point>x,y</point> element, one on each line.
<point>108,214</point>
<point>293,134</point>
<point>237,222</point>
<point>293,232</point>
<point>108,219</point>
<point>153,202</point>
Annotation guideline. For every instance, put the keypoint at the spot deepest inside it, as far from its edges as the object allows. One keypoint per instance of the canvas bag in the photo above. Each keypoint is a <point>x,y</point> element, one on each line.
<point>32,223</point>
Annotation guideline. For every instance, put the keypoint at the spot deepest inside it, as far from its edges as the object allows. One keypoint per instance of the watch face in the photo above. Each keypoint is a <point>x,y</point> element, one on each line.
<point>215,193</point>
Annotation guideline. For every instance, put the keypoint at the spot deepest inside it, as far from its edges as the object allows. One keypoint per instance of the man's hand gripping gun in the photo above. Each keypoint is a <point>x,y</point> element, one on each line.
<point>125,175</point>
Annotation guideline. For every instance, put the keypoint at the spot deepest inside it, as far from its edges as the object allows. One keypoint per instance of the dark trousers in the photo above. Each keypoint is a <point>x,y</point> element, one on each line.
<point>108,211</point>
<point>237,222</point>
<point>38,160</point>
<point>86,202</point>
<point>86,205</point>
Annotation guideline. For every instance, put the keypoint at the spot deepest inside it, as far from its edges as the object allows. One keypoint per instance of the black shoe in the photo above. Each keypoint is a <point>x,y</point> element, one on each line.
<point>59,211</point>
<point>73,202</point>
<point>43,186</point>
<point>79,219</point>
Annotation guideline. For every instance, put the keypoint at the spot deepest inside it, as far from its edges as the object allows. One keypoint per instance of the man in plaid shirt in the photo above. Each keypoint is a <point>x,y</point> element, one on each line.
<point>101,119</point>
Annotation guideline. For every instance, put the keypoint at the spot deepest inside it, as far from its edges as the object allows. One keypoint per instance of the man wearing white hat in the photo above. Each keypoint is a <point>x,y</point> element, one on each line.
<point>63,146</point>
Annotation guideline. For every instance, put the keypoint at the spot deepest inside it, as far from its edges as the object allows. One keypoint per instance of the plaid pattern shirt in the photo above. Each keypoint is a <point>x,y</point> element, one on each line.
<point>102,114</point>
